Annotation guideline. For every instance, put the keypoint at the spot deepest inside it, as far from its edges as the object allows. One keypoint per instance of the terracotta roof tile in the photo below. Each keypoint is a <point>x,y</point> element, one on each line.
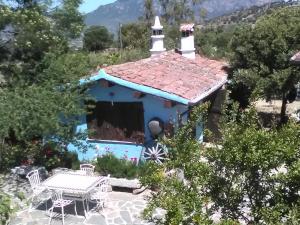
<point>173,73</point>
<point>296,57</point>
<point>187,26</point>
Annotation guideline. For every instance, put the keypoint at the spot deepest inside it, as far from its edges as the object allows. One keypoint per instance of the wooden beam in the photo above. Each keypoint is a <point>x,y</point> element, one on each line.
<point>138,94</point>
<point>105,83</point>
<point>169,104</point>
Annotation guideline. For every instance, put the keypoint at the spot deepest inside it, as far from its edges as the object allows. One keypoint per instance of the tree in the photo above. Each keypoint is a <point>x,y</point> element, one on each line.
<point>136,35</point>
<point>213,42</point>
<point>250,175</point>
<point>97,38</point>
<point>183,201</point>
<point>261,57</point>
<point>175,12</point>
<point>35,30</point>
<point>149,12</point>
<point>68,20</point>
<point>40,96</point>
<point>254,175</point>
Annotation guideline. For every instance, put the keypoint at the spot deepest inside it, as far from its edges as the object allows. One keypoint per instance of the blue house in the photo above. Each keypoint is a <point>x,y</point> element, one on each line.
<point>136,102</point>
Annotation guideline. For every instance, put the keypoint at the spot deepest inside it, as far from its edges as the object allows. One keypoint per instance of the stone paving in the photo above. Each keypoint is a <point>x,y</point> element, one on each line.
<point>121,208</point>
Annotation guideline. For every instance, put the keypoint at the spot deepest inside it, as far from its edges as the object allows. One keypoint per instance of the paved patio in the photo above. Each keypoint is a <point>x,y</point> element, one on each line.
<point>121,208</point>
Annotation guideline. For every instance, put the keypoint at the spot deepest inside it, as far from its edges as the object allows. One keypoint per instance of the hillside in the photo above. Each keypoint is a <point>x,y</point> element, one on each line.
<point>124,11</point>
<point>249,15</point>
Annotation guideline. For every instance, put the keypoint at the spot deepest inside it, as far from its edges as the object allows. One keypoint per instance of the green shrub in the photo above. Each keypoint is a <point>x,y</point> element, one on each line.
<point>53,156</point>
<point>5,208</point>
<point>50,156</point>
<point>119,168</point>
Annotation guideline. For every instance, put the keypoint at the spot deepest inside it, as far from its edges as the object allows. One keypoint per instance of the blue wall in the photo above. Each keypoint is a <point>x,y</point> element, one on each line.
<point>153,107</point>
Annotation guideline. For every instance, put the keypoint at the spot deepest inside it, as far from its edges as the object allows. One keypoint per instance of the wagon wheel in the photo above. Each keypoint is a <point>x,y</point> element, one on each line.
<point>157,153</point>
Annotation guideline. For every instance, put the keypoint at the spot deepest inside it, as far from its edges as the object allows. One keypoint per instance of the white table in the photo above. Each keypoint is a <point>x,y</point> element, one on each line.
<point>72,184</point>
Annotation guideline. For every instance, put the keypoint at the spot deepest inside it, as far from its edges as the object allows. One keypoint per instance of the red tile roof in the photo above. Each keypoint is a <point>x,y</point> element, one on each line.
<point>175,74</point>
<point>296,57</point>
<point>187,27</point>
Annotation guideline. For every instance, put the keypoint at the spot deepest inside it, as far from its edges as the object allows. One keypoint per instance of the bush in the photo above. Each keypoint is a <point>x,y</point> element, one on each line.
<point>53,156</point>
<point>119,168</point>
<point>5,209</point>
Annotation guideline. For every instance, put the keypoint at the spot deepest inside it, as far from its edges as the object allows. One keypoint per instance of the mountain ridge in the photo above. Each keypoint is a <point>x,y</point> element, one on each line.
<point>125,11</point>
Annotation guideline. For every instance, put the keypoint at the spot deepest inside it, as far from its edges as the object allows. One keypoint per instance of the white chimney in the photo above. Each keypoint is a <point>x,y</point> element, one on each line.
<point>157,38</point>
<point>187,41</point>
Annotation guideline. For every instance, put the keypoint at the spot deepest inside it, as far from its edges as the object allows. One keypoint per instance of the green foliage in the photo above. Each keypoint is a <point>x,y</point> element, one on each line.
<point>182,200</point>
<point>52,156</point>
<point>35,31</point>
<point>135,36</point>
<point>104,59</point>
<point>5,208</point>
<point>149,12</point>
<point>251,175</point>
<point>68,20</point>
<point>97,38</point>
<point>40,96</point>
<point>255,168</point>
<point>178,11</point>
<point>119,168</point>
<point>213,42</point>
<point>261,57</point>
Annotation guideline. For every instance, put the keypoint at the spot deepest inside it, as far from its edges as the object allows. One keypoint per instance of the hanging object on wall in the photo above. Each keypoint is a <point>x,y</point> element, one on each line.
<point>169,129</point>
<point>156,153</point>
<point>156,127</point>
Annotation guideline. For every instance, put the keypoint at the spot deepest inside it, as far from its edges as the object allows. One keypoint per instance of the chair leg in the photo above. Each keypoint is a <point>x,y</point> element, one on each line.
<point>84,211</point>
<point>63,215</point>
<point>50,217</point>
<point>31,203</point>
<point>87,205</point>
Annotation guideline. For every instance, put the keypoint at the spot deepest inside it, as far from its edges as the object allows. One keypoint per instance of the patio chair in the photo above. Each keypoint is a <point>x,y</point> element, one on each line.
<point>100,194</point>
<point>59,202</point>
<point>39,192</point>
<point>88,168</point>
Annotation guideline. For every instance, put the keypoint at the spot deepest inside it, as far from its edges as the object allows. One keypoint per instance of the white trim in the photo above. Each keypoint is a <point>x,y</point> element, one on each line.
<point>207,93</point>
<point>112,141</point>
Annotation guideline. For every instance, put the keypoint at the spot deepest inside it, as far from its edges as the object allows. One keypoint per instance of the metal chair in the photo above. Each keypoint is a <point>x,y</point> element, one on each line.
<point>88,168</point>
<point>59,202</point>
<point>39,192</point>
<point>100,194</point>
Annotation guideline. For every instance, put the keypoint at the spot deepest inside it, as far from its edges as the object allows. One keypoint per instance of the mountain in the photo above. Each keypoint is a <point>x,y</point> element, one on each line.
<point>249,15</point>
<point>125,11</point>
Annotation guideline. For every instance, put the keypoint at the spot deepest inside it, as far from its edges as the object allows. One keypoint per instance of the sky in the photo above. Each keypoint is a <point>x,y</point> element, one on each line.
<point>90,5</point>
<point>87,5</point>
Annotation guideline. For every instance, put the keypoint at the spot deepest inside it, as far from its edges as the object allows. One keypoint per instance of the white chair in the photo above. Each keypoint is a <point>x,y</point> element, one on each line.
<point>99,195</point>
<point>59,202</point>
<point>87,168</point>
<point>39,192</point>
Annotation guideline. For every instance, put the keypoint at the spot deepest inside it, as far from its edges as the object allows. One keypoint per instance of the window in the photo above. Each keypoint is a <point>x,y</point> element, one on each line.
<point>119,121</point>
<point>157,32</point>
<point>186,33</point>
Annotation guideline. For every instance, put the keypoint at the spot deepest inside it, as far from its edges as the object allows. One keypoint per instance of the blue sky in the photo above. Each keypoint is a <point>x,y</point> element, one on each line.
<point>90,5</point>
<point>87,5</point>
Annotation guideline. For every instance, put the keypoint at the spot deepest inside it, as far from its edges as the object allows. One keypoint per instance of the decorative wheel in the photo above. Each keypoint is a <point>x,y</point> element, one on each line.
<point>157,153</point>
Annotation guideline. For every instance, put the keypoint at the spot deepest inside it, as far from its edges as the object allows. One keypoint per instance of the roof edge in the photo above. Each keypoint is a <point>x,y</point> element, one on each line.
<point>207,93</point>
<point>145,89</point>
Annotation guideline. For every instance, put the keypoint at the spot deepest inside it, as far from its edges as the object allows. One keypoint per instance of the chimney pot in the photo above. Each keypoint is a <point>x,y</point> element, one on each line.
<point>157,38</point>
<point>187,48</point>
